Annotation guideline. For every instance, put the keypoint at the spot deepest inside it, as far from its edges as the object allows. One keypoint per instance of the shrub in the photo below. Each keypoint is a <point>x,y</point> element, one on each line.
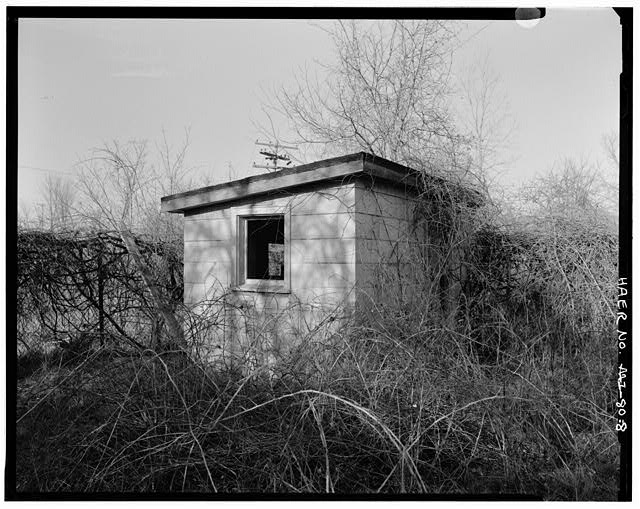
<point>507,390</point>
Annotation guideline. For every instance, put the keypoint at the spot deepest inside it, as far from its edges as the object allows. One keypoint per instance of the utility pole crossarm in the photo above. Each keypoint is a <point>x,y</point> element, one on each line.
<point>274,155</point>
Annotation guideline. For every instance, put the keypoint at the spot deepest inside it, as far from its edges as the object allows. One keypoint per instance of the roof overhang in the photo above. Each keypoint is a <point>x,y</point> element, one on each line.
<point>328,170</point>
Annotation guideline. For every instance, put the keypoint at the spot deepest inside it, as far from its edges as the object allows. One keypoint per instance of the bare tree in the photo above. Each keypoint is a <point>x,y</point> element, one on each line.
<point>486,119</point>
<point>571,193</point>
<point>611,145</point>
<point>609,179</point>
<point>121,186</point>
<point>59,197</point>
<point>386,94</point>
<point>26,218</point>
<point>114,184</point>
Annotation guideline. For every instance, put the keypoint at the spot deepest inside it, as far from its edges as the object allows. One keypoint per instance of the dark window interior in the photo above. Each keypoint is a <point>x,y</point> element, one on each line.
<point>265,248</point>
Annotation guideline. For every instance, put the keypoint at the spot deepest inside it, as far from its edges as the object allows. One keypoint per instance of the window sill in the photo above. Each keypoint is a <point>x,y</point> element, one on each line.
<point>263,287</point>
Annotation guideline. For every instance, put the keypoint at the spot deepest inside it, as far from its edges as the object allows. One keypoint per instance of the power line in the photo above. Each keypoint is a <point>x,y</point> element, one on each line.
<point>50,170</point>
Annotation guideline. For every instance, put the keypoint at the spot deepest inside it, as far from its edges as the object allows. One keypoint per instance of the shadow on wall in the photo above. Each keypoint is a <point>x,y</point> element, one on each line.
<point>410,254</point>
<point>355,251</point>
<point>255,328</point>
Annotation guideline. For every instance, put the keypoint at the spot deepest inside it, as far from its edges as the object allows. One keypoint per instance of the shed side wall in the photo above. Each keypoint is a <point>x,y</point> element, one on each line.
<point>387,243</point>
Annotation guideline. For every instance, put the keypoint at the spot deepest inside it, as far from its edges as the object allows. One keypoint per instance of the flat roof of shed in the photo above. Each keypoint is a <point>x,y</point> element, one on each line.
<point>267,183</point>
<point>327,170</point>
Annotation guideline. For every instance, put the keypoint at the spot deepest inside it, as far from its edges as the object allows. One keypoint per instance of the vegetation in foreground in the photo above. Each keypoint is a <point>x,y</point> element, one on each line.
<point>514,397</point>
<point>399,415</point>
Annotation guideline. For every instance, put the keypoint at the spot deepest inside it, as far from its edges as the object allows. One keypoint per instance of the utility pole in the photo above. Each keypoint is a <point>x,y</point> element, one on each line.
<point>274,155</point>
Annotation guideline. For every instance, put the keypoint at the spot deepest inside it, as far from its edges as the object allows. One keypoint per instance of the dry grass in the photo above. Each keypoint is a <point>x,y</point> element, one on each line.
<point>508,391</point>
<point>413,414</point>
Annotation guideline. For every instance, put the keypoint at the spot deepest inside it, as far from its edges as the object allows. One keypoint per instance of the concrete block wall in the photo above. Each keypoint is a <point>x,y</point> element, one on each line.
<point>388,246</point>
<point>322,269</point>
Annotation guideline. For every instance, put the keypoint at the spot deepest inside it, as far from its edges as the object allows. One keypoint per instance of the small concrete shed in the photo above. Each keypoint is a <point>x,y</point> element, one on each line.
<point>290,251</point>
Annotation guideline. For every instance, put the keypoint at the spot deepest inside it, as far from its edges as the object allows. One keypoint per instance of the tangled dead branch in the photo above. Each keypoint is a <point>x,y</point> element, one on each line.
<point>77,283</point>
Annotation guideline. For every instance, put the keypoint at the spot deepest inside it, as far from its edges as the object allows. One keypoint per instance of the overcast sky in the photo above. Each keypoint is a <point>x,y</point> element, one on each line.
<point>86,82</point>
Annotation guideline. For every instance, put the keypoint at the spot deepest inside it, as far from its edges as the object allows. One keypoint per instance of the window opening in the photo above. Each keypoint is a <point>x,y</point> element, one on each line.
<point>265,248</point>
